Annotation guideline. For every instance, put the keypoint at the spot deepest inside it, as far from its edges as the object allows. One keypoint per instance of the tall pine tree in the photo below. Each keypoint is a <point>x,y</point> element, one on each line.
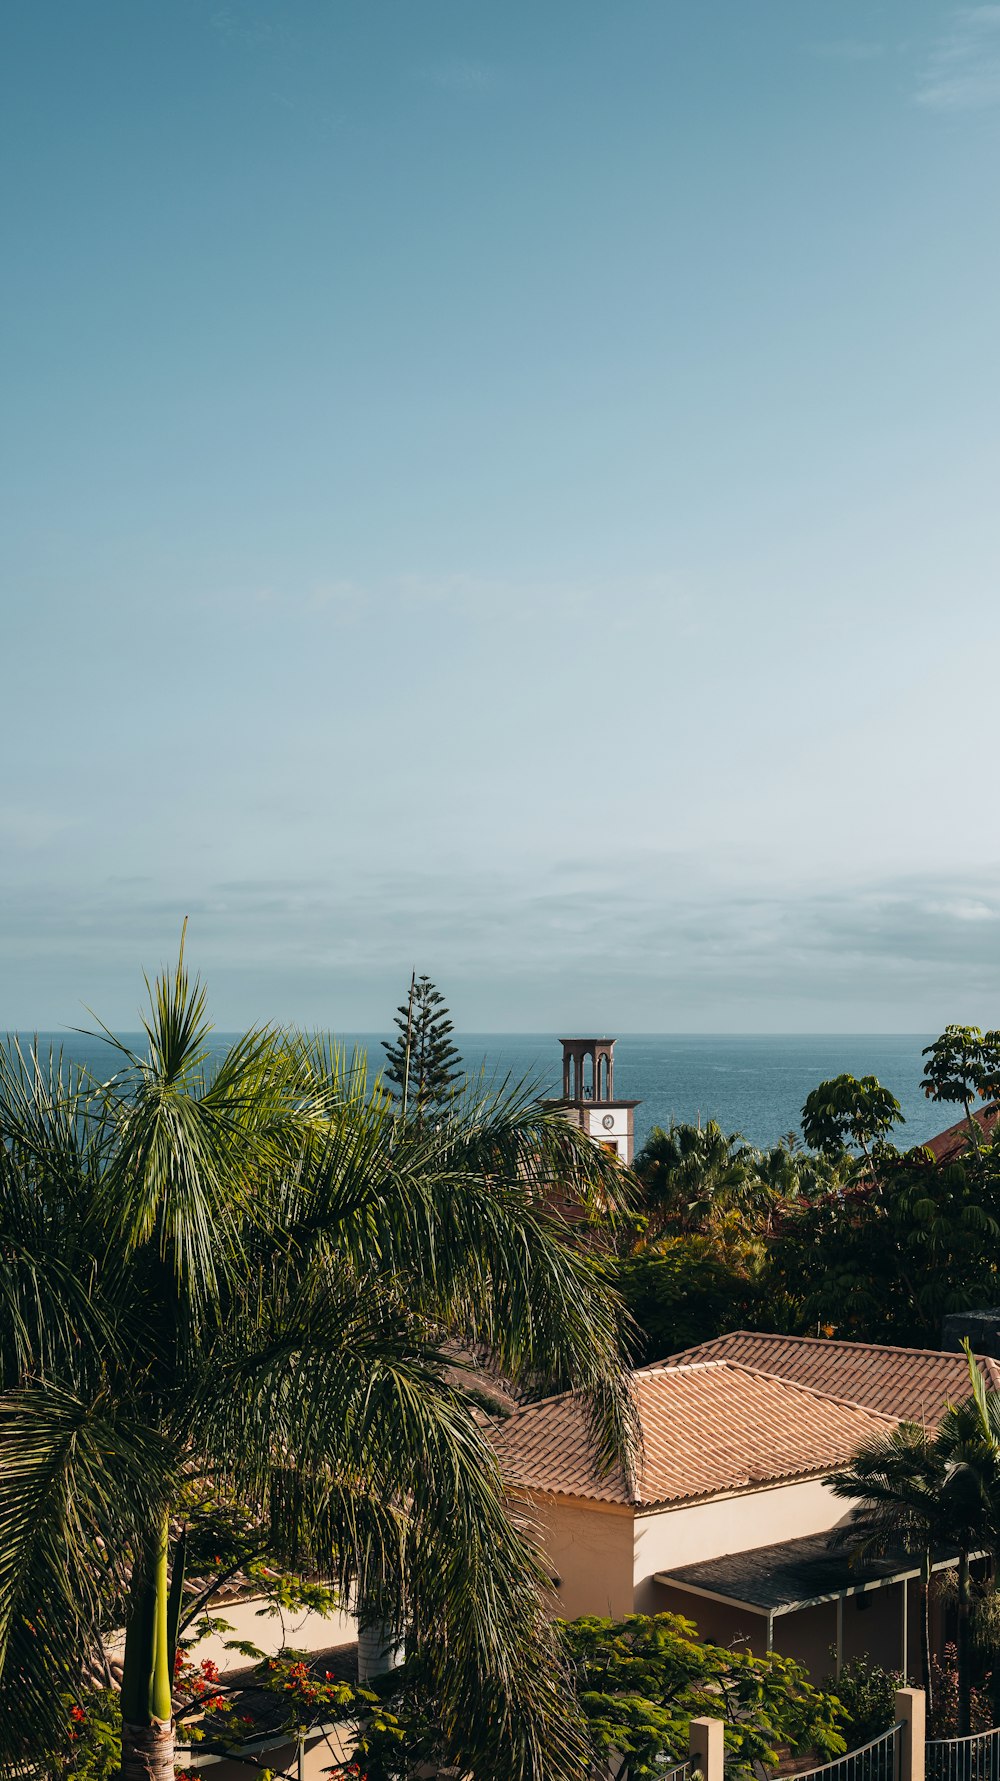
<point>422,1064</point>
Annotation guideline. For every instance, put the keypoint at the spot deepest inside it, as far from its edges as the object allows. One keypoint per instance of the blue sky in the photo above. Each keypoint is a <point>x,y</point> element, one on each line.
<point>505,488</point>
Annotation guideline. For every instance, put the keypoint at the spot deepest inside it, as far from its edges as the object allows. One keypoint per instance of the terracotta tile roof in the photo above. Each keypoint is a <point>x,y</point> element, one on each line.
<point>912,1383</point>
<point>707,1429</point>
<point>951,1143</point>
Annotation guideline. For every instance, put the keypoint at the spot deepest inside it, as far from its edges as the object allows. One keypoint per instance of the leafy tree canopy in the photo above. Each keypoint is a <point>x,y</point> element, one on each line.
<point>643,1679</point>
<point>963,1064</point>
<point>886,1259</point>
<point>849,1110</point>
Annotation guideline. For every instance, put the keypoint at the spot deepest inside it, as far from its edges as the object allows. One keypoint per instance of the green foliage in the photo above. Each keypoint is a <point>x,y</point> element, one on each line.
<point>848,1110</point>
<point>690,1173</point>
<point>699,1178</point>
<point>241,1271</point>
<point>684,1290</point>
<point>701,1258</point>
<point>422,1064</point>
<point>963,1063</point>
<point>886,1260</point>
<point>820,1241</point>
<point>867,1695</point>
<point>643,1679</point>
<point>92,1748</point>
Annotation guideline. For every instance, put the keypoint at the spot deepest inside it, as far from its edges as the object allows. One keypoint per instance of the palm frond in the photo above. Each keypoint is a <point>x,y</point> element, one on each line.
<point>459,1210</point>
<point>51,1145</point>
<point>376,1468</point>
<point>194,1144</point>
<point>78,1481</point>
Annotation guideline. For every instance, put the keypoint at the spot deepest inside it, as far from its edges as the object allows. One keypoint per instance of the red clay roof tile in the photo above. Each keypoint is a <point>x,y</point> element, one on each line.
<point>912,1384</point>
<point>707,1429</point>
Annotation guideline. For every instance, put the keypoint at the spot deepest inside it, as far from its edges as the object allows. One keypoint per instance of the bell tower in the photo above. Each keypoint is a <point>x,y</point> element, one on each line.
<point>588,1096</point>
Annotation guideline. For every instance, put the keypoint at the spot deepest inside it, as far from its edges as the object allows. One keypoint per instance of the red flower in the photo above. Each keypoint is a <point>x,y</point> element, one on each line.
<point>77,1713</point>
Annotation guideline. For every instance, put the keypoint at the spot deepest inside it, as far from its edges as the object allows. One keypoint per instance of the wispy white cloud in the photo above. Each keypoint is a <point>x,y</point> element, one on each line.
<point>651,939</point>
<point>346,601</point>
<point>962,72</point>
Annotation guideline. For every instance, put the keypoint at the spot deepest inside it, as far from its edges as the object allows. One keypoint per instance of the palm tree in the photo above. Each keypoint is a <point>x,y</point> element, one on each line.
<point>969,1442</point>
<point>238,1274</point>
<point>918,1492</point>
<point>896,1482</point>
<point>692,1173</point>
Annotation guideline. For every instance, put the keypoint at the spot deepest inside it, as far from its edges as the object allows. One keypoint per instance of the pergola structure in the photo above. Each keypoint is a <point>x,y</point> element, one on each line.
<point>792,1575</point>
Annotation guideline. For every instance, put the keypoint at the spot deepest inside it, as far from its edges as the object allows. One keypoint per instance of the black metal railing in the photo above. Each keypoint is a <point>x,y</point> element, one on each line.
<point>976,1758</point>
<point>877,1761</point>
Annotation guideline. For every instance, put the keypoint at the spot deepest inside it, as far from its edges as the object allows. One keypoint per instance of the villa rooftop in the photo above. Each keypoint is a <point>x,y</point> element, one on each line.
<point>907,1384</point>
<point>708,1429</point>
<point>956,1138</point>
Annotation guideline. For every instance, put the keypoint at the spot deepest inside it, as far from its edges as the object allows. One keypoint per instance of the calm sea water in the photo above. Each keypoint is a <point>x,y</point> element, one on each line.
<point>754,1084</point>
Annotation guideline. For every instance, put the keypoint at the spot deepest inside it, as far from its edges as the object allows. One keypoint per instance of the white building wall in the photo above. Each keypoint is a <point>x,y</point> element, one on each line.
<point>616,1134</point>
<point>252,1620</point>
<point>670,1537</point>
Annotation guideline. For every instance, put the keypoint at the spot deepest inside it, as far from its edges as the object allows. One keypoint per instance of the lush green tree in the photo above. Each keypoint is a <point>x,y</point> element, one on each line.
<point>700,1178</point>
<point>849,1110</point>
<point>238,1272</point>
<point>884,1259</point>
<point>867,1694</point>
<point>964,1064</point>
<point>690,1174</point>
<point>422,1063</point>
<point>897,1482</point>
<point>921,1492</point>
<point>643,1679</point>
<point>700,1250</point>
<point>685,1290</point>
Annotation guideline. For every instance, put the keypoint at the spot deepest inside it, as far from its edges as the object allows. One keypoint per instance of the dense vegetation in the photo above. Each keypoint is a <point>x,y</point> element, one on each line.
<point>235,1297</point>
<point>643,1679</point>
<point>849,1235</point>
<point>238,1302</point>
<point>639,1683</point>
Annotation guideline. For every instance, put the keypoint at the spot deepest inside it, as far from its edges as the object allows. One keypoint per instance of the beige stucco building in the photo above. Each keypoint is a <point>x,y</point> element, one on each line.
<point>727,1517</point>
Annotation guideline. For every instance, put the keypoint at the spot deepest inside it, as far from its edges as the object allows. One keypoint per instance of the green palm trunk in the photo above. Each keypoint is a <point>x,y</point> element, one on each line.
<point>147,1709</point>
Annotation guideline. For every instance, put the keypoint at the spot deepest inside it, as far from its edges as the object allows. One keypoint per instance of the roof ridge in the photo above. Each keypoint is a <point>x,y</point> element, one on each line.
<point>814,1391</point>
<point>688,1366</point>
<point>815,1342</point>
<point>755,1438</point>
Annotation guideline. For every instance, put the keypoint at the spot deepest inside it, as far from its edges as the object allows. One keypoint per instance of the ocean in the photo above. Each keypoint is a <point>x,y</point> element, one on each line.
<point>751,1083</point>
